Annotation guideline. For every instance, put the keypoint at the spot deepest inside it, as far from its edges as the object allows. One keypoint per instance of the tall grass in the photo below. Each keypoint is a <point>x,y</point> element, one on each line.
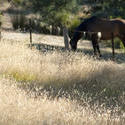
<point>17,108</point>
<point>59,88</point>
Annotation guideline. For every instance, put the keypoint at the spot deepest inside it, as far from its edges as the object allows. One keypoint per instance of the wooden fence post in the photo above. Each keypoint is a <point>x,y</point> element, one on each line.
<point>0,30</point>
<point>30,29</point>
<point>113,48</point>
<point>66,38</point>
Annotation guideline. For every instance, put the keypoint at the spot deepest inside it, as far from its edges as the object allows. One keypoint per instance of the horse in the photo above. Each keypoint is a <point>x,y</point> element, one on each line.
<point>109,29</point>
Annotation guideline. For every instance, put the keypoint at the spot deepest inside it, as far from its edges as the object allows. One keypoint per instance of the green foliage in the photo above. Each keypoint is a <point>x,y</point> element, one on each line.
<point>18,2</point>
<point>57,12</point>
<point>15,22</point>
<point>19,22</point>
<point>21,76</point>
<point>118,43</point>
<point>107,8</point>
<point>74,23</point>
<point>62,18</point>
<point>122,46</point>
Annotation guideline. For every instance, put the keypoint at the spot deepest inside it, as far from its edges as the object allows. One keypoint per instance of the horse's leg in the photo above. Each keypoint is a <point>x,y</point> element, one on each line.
<point>98,49</point>
<point>113,49</point>
<point>93,38</point>
<point>94,46</point>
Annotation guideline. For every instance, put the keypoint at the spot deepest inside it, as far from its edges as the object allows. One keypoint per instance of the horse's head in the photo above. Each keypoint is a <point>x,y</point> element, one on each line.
<point>73,44</point>
<point>78,33</point>
<point>75,38</point>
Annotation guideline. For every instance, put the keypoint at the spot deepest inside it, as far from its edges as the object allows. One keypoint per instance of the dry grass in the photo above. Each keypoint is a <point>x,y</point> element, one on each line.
<point>65,88</point>
<point>17,108</point>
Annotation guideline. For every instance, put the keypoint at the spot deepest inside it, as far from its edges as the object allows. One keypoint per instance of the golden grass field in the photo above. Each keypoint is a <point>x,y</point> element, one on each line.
<point>58,88</point>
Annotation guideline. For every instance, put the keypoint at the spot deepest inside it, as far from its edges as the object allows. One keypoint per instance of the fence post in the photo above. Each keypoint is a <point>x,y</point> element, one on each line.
<point>66,38</point>
<point>30,29</point>
<point>0,27</point>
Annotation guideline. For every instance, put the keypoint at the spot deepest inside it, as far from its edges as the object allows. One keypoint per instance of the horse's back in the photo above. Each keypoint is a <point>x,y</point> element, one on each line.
<point>120,23</point>
<point>107,27</point>
<point>101,25</point>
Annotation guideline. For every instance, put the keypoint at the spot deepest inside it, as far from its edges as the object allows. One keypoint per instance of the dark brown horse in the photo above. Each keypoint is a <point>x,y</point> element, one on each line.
<point>109,29</point>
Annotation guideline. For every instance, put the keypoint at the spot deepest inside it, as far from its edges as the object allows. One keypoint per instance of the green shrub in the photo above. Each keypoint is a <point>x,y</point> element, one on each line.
<point>74,23</point>
<point>19,21</point>
<point>117,43</point>
<point>122,46</point>
<point>18,2</point>
<point>15,21</point>
<point>40,27</point>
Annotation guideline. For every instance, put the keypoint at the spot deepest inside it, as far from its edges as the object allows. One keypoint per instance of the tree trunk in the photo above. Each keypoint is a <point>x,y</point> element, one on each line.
<point>66,38</point>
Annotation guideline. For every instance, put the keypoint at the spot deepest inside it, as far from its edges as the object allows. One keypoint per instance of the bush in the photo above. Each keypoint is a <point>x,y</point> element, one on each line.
<point>40,27</point>
<point>19,21</point>
<point>74,23</point>
<point>122,46</point>
<point>117,43</point>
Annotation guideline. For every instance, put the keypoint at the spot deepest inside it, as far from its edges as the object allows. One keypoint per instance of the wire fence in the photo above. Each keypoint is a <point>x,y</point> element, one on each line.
<point>45,46</point>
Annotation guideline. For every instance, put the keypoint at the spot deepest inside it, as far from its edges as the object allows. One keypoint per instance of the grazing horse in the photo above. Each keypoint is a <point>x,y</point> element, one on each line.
<point>109,28</point>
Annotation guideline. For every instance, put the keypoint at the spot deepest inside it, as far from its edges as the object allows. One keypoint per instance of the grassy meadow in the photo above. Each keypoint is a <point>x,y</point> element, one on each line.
<point>58,88</point>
